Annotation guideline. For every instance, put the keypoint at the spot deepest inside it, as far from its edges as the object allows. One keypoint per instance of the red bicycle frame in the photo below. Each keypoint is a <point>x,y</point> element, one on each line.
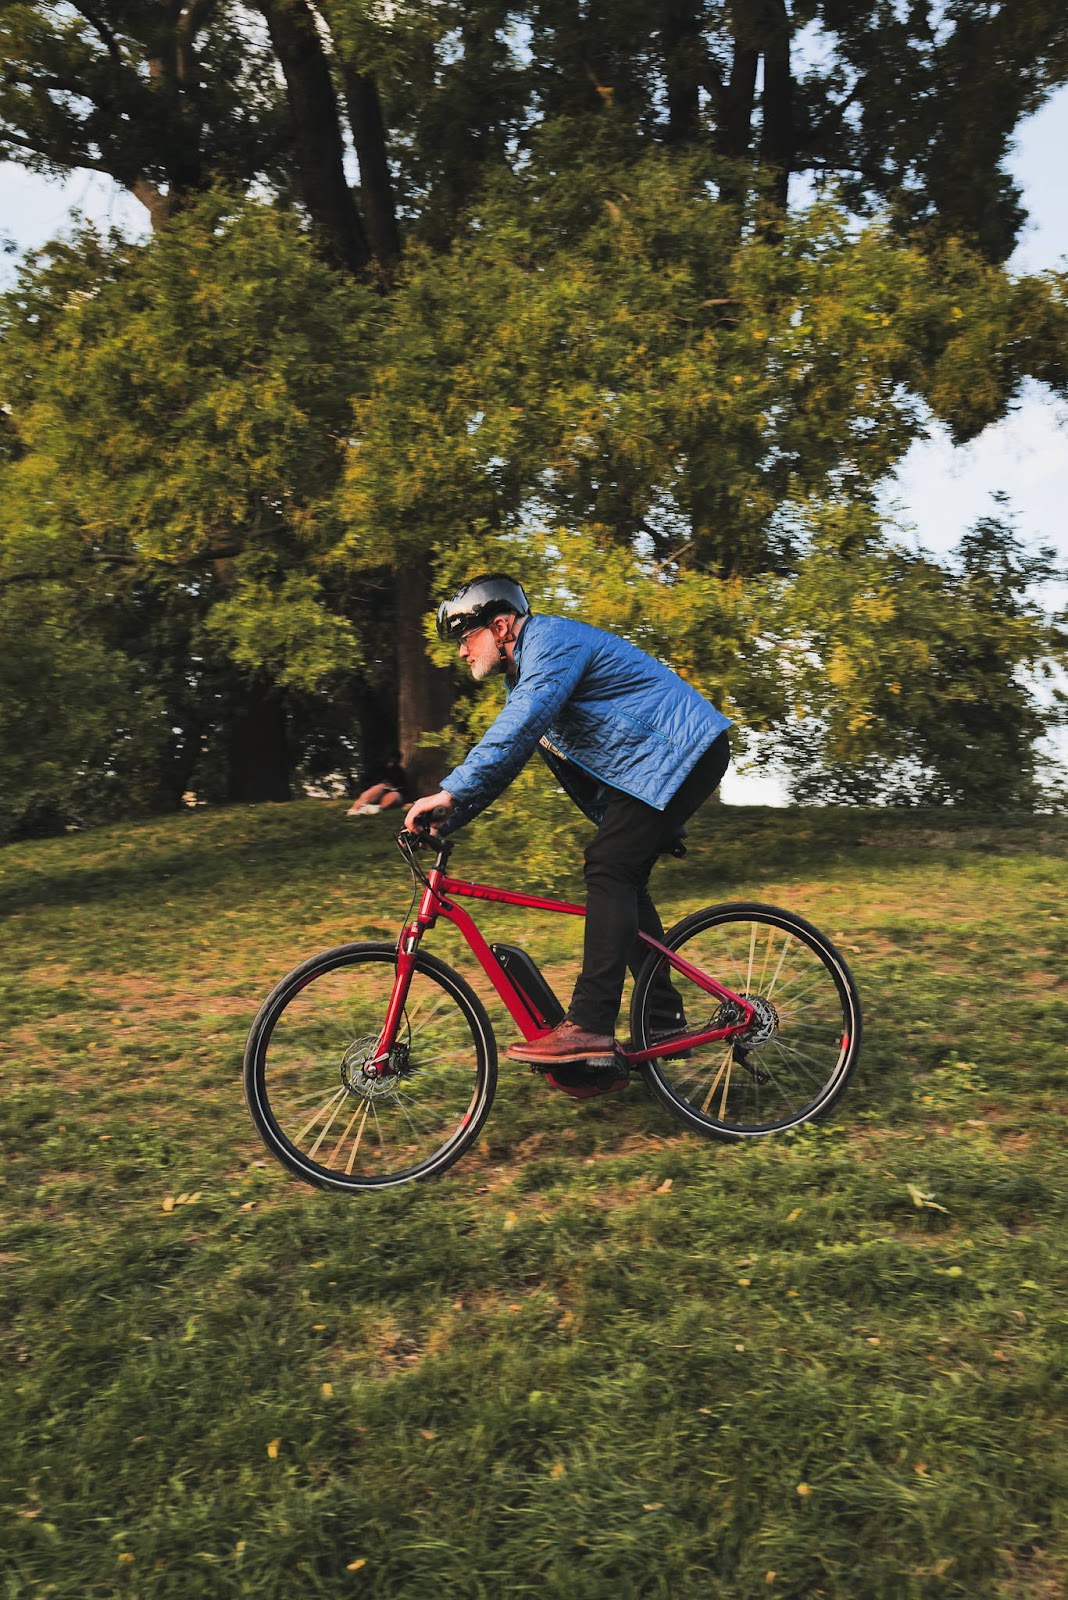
<point>439,895</point>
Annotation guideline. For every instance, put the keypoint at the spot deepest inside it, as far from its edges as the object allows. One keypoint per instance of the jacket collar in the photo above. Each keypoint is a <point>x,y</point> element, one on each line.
<point>517,654</point>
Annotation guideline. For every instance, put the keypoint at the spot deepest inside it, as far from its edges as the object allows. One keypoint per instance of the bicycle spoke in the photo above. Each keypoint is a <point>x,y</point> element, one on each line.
<point>335,1099</point>
<point>356,1142</point>
<point>715,1082</point>
<point>314,1151</point>
<point>336,1151</point>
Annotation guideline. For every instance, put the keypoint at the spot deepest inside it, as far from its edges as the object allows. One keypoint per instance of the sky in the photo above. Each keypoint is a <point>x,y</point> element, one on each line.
<point>938,491</point>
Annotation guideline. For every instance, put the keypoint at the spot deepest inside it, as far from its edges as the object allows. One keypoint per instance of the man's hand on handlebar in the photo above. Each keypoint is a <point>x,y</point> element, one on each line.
<point>429,811</point>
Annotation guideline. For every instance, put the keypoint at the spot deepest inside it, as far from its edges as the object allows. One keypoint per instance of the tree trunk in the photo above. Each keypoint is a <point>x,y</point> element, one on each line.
<point>317,132</point>
<point>376,186</point>
<point>424,692</point>
<point>734,134</point>
<point>258,760</point>
<point>778,137</point>
<point>735,105</point>
<point>684,59</point>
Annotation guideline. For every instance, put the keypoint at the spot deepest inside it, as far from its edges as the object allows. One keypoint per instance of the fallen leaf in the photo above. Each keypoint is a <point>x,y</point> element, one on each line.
<point>558,1470</point>
<point>510,1221</point>
<point>354,1566</point>
<point>654,1505</point>
<point>272,1449</point>
<point>327,1391</point>
<point>664,1187</point>
<point>794,1214</point>
<point>921,1200</point>
<point>428,1433</point>
<point>803,1490</point>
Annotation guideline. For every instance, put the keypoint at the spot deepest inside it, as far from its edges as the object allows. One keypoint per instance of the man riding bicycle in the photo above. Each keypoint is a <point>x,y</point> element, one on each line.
<point>629,741</point>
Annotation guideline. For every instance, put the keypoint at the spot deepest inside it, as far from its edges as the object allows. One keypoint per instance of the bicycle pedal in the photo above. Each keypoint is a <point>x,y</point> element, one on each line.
<point>600,1063</point>
<point>576,1080</point>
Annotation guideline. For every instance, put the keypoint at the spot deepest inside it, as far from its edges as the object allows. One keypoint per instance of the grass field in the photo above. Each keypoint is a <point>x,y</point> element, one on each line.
<point>601,1357</point>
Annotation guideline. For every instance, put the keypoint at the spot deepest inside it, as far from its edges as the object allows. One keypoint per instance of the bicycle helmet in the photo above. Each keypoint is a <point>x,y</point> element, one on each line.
<point>478,601</point>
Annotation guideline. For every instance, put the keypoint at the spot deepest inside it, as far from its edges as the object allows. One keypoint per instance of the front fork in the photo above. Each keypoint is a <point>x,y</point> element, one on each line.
<point>407,949</point>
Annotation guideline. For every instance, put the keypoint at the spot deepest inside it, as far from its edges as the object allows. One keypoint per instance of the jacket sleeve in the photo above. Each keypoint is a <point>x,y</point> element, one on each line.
<point>551,670</point>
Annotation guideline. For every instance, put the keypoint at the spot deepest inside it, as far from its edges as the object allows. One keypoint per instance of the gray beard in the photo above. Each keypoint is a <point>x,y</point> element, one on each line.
<point>481,671</point>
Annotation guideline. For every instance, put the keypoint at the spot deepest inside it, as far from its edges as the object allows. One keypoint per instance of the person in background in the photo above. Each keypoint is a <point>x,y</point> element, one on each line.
<point>633,745</point>
<point>385,786</point>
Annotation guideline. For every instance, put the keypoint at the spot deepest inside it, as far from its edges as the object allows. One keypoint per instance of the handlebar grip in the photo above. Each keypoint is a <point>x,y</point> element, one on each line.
<point>421,836</point>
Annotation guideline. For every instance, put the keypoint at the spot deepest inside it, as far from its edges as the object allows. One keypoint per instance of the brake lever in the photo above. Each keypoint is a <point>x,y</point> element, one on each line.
<point>422,838</point>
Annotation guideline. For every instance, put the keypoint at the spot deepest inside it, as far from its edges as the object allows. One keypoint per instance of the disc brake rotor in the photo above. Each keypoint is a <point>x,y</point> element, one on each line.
<point>762,1029</point>
<point>364,1074</point>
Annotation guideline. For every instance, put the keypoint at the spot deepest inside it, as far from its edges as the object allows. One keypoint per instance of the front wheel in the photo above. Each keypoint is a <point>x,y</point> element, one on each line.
<point>334,1124</point>
<point>795,1059</point>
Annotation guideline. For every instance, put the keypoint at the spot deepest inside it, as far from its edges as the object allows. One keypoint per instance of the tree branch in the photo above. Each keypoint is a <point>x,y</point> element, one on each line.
<point>101,28</point>
<point>19,75</point>
<point>156,203</point>
<point>77,158</point>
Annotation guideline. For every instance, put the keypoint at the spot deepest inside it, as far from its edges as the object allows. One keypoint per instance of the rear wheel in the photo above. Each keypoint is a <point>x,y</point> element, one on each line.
<point>796,1057</point>
<point>329,1118</point>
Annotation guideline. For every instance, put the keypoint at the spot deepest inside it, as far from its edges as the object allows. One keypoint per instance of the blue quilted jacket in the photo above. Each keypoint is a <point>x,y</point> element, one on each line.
<point>602,712</point>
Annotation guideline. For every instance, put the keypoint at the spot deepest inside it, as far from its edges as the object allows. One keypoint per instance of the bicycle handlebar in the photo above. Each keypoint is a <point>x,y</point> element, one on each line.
<point>422,836</point>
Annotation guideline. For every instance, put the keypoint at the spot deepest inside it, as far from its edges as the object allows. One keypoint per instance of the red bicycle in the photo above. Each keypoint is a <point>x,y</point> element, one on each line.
<point>375,1064</point>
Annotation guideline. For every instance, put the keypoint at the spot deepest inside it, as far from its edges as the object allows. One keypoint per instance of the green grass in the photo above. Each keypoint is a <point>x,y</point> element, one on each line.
<point>829,1364</point>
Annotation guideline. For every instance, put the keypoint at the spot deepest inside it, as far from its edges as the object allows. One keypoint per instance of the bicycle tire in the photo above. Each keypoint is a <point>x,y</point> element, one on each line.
<point>811,1016</point>
<point>318,1026</point>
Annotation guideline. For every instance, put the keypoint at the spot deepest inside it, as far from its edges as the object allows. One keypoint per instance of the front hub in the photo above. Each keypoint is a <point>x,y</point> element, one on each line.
<point>363,1072</point>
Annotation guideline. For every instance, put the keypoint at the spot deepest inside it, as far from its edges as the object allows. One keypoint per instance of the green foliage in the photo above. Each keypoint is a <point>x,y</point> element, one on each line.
<point>189,395</point>
<point>605,352</point>
<point>175,412</point>
<point>284,630</point>
<point>611,1383</point>
<point>910,677</point>
<point>127,89</point>
<point>79,731</point>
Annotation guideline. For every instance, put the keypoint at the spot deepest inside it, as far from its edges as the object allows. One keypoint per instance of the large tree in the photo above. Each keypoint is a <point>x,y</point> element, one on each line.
<point>393,131</point>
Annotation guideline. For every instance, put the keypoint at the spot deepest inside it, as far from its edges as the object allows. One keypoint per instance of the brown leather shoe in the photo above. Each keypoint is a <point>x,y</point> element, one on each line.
<point>567,1042</point>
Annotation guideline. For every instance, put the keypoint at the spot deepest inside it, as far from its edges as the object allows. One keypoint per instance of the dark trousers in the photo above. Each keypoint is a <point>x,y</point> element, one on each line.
<point>618,863</point>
